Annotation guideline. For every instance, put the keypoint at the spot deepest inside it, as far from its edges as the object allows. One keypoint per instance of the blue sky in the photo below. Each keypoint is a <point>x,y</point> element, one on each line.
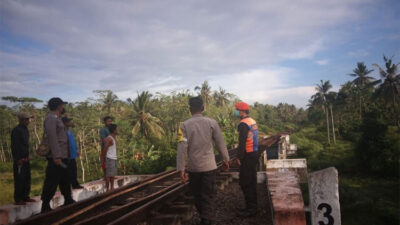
<point>265,51</point>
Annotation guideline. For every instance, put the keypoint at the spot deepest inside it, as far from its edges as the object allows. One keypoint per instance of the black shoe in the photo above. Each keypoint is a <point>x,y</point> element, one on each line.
<point>45,208</point>
<point>69,202</point>
<point>77,187</point>
<point>247,213</point>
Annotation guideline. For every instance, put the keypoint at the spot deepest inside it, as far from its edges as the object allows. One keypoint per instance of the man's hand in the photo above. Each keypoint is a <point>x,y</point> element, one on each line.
<point>238,162</point>
<point>57,161</point>
<point>184,177</point>
<point>79,154</point>
<point>226,166</point>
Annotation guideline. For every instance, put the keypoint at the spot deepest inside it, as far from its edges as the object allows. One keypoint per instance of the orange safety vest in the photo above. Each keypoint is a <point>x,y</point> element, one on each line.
<point>252,137</point>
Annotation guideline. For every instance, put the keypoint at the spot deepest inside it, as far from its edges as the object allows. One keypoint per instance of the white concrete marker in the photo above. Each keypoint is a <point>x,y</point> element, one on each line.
<point>324,197</point>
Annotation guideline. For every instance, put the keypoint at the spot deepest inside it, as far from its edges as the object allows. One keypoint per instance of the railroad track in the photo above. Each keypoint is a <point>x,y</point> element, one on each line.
<point>129,204</point>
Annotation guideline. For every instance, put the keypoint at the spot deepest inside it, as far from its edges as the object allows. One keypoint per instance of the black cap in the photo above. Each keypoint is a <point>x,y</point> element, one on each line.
<point>66,119</point>
<point>55,102</point>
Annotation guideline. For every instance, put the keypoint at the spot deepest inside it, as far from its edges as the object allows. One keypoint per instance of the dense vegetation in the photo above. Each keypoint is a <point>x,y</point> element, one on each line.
<point>355,129</point>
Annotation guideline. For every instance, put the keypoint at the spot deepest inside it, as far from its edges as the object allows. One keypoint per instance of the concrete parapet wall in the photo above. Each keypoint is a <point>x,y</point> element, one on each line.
<point>286,198</point>
<point>299,166</point>
<point>11,213</point>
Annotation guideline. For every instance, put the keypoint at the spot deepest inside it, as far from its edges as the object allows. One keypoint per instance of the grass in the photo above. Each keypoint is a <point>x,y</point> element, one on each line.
<point>7,180</point>
<point>369,200</point>
<point>364,198</point>
<point>38,169</point>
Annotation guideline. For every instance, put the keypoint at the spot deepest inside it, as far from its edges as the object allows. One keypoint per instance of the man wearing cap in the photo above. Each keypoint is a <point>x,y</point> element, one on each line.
<point>21,166</point>
<point>58,157</point>
<point>195,142</point>
<point>73,153</point>
<point>247,158</point>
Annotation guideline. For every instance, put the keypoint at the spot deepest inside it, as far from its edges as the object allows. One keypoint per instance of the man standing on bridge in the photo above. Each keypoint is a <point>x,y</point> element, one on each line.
<point>247,158</point>
<point>195,142</point>
<point>58,157</point>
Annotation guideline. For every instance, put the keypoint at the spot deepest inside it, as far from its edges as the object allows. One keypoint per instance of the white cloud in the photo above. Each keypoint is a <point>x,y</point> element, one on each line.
<point>128,46</point>
<point>269,85</point>
<point>358,53</point>
<point>322,62</point>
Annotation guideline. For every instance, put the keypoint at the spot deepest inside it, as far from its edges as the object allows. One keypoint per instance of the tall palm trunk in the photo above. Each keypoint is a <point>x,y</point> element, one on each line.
<point>333,126</point>
<point>395,110</point>
<point>2,155</point>
<point>327,124</point>
<point>360,106</point>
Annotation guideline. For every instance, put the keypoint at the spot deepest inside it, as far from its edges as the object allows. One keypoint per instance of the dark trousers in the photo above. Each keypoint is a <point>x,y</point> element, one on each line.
<point>202,186</point>
<point>56,176</point>
<point>248,180</point>
<point>72,169</point>
<point>22,181</point>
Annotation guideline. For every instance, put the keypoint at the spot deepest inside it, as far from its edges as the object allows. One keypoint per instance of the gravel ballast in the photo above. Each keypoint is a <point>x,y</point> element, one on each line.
<point>231,198</point>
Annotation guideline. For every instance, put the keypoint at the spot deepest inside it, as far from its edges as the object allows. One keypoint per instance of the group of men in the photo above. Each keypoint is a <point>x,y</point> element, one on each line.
<point>61,170</point>
<point>197,135</point>
<point>195,146</point>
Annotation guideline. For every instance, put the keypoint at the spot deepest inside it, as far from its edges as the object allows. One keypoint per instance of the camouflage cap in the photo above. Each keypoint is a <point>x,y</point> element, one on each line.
<point>24,115</point>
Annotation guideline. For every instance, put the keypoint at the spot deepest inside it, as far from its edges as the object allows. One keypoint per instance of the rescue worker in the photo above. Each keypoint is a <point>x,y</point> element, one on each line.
<point>196,136</point>
<point>247,158</point>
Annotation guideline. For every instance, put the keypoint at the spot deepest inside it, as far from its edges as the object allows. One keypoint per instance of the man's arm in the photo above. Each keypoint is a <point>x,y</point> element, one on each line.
<point>16,144</point>
<point>50,126</point>
<point>243,132</point>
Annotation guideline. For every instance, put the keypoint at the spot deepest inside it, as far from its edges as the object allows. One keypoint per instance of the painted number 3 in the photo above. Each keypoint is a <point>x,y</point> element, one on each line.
<point>327,214</point>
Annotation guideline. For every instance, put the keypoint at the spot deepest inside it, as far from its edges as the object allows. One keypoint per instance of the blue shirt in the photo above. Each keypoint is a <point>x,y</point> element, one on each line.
<point>73,147</point>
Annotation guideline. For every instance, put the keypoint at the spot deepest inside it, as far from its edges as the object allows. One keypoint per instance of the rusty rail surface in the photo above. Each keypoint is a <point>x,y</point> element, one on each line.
<point>128,204</point>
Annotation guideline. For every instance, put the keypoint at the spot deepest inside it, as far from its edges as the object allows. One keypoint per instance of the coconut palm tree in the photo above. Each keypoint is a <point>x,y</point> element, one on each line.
<point>221,97</point>
<point>319,99</point>
<point>389,84</point>
<point>107,98</point>
<point>361,81</point>
<point>145,123</point>
<point>205,93</point>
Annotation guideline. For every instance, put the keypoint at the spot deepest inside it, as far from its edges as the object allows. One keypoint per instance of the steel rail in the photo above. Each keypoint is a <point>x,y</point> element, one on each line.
<point>142,212</point>
<point>114,197</point>
<point>88,211</point>
<point>59,212</point>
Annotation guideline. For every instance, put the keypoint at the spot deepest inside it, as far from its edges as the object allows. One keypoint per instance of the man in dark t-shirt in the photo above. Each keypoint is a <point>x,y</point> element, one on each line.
<point>104,133</point>
<point>21,167</point>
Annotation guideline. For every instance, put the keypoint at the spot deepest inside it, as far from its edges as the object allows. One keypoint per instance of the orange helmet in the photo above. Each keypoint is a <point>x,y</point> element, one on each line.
<point>242,106</point>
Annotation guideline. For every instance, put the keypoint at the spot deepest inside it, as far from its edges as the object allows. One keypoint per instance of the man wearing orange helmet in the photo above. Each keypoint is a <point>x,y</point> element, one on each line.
<point>247,158</point>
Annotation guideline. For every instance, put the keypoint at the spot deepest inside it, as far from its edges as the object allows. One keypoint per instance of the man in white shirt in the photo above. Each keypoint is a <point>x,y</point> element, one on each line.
<point>110,157</point>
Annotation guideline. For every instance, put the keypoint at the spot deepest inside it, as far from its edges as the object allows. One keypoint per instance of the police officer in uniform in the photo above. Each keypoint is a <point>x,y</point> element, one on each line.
<point>196,136</point>
<point>247,158</point>
<point>58,157</point>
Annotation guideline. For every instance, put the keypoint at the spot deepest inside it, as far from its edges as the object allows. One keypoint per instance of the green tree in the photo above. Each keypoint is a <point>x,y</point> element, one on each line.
<point>145,123</point>
<point>107,98</point>
<point>389,85</point>
<point>221,97</point>
<point>361,81</point>
<point>319,99</point>
<point>205,93</point>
